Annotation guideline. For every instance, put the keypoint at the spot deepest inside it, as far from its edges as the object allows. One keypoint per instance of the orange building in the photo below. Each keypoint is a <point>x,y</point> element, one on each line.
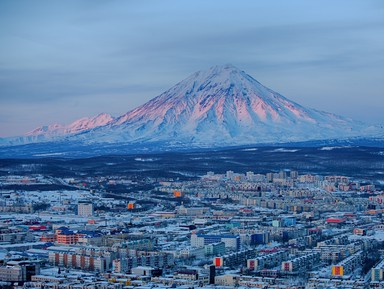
<point>48,238</point>
<point>178,194</point>
<point>66,236</point>
<point>337,270</point>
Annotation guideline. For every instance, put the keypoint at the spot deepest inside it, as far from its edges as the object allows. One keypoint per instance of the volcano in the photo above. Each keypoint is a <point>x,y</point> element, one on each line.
<point>221,106</point>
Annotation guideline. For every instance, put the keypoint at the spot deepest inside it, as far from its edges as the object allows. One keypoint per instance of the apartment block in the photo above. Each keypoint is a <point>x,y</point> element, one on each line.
<point>268,260</point>
<point>230,241</point>
<point>302,263</point>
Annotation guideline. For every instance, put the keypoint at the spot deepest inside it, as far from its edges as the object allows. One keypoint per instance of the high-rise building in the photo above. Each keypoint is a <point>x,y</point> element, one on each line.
<point>85,209</point>
<point>212,274</point>
<point>229,174</point>
<point>282,175</point>
<point>294,175</point>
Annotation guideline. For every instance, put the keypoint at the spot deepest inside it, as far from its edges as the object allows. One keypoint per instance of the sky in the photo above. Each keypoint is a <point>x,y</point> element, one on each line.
<point>64,60</point>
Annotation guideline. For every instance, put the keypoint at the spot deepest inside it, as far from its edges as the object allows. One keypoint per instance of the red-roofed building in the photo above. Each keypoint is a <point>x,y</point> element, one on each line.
<point>336,220</point>
<point>37,228</point>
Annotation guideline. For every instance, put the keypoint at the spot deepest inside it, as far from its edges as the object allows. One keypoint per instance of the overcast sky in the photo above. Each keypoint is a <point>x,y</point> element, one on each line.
<point>63,60</point>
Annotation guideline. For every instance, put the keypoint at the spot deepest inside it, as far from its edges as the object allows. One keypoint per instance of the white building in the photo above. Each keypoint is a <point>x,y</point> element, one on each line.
<point>85,209</point>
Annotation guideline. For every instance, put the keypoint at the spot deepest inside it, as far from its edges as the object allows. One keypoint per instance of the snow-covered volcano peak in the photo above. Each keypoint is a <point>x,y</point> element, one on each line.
<point>220,94</point>
<point>219,106</point>
<point>223,75</point>
<point>225,72</point>
<point>225,104</point>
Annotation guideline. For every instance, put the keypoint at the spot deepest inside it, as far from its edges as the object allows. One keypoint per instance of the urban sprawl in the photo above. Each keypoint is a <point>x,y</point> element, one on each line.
<point>274,230</point>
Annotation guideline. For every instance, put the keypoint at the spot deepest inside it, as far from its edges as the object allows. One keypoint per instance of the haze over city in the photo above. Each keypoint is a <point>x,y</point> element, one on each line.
<point>60,61</point>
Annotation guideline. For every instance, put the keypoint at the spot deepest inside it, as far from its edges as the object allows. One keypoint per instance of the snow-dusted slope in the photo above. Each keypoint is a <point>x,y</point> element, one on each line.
<point>217,107</point>
<point>224,106</point>
<point>85,123</point>
<point>57,131</point>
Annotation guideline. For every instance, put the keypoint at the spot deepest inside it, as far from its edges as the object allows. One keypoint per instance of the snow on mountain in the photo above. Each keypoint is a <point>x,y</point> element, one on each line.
<point>217,107</point>
<point>53,129</point>
<point>57,131</point>
<point>85,123</point>
<point>224,106</point>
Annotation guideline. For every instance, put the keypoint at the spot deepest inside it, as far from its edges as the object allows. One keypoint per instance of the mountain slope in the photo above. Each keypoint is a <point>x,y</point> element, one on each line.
<point>224,106</point>
<point>218,107</point>
<point>57,131</point>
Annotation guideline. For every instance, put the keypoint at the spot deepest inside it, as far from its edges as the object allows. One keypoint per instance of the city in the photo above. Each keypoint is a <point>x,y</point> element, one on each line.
<point>191,144</point>
<point>275,230</point>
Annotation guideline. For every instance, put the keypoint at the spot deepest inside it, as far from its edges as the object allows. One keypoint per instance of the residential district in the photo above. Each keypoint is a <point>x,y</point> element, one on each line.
<point>274,230</point>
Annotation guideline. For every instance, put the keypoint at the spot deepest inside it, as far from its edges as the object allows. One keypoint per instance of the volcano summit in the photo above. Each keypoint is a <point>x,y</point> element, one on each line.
<point>222,106</point>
